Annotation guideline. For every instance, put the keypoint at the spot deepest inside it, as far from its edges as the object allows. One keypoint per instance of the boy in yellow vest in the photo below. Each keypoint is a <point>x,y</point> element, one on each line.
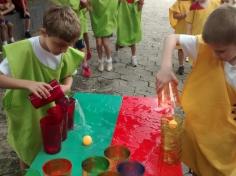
<point>177,14</point>
<point>196,18</point>
<point>209,94</point>
<point>27,67</point>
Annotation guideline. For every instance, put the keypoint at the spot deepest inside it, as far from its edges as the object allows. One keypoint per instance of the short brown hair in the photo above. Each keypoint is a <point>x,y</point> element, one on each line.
<point>61,22</point>
<point>220,26</point>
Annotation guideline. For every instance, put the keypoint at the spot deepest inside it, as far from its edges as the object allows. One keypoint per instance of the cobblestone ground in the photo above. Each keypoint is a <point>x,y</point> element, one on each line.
<point>123,80</point>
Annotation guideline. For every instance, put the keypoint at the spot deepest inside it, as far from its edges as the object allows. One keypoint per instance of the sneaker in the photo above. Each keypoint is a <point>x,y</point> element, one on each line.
<point>180,70</point>
<point>89,55</point>
<point>186,59</point>
<point>134,61</point>
<point>27,34</point>
<point>109,64</point>
<point>86,71</point>
<point>100,65</point>
<point>12,40</point>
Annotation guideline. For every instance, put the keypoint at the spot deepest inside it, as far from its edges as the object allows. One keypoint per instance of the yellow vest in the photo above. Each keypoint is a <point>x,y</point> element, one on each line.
<point>180,6</point>
<point>209,138</point>
<point>198,17</point>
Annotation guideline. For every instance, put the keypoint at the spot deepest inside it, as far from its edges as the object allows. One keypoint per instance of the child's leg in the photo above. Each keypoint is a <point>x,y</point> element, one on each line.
<point>106,43</point>
<point>10,32</point>
<point>86,71</point>
<point>3,32</point>
<point>27,23</point>
<point>86,40</point>
<point>99,50</point>
<point>180,70</point>
<point>133,57</point>
<point>115,58</point>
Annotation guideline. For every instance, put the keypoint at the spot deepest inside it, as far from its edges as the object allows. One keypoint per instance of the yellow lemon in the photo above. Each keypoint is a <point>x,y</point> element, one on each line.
<point>173,124</point>
<point>87,140</point>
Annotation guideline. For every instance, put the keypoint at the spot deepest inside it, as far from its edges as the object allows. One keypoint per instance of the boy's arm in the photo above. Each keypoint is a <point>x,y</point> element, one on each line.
<point>10,7</point>
<point>67,83</point>
<point>166,73</point>
<point>25,8</point>
<point>40,89</point>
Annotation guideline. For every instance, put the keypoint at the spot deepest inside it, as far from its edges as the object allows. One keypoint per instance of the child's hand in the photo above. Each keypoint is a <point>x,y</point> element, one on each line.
<point>86,4</point>
<point>179,16</point>
<point>40,89</point>
<point>140,4</point>
<point>164,76</point>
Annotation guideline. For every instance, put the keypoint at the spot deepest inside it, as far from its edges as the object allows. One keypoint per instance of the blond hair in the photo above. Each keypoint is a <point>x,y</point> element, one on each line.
<point>61,22</point>
<point>220,26</point>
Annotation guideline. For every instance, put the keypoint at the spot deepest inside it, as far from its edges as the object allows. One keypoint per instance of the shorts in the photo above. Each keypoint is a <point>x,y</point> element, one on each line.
<point>79,44</point>
<point>106,36</point>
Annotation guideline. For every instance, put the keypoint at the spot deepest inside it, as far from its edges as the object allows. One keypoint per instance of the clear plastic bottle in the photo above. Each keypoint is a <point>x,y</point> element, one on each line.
<point>171,123</point>
<point>171,136</point>
<point>169,95</point>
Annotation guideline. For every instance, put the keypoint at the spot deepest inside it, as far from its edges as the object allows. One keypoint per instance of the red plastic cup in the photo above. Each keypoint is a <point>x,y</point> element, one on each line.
<point>59,111</point>
<point>51,128</point>
<point>69,105</point>
<point>57,167</point>
<point>56,93</point>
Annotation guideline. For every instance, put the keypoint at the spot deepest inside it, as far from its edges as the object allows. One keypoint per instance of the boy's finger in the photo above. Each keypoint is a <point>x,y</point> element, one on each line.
<point>48,86</point>
<point>37,94</point>
<point>45,91</point>
<point>159,86</point>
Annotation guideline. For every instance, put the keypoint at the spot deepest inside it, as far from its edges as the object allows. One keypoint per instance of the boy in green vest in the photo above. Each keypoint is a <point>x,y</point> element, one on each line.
<point>129,31</point>
<point>103,15</point>
<point>27,68</point>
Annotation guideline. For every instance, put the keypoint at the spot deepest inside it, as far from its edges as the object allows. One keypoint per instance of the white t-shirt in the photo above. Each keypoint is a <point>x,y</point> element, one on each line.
<point>189,46</point>
<point>44,57</point>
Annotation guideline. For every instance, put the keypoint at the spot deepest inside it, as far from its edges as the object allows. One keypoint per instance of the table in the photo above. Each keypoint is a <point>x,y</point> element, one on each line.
<point>131,121</point>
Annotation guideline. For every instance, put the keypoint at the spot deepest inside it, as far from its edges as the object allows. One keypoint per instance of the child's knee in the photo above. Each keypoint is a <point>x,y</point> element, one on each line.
<point>3,26</point>
<point>10,24</point>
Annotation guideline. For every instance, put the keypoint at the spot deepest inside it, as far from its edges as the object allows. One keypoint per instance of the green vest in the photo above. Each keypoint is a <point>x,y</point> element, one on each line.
<point>129,24</point>
<point>103,17</point>
<point>24,133</point>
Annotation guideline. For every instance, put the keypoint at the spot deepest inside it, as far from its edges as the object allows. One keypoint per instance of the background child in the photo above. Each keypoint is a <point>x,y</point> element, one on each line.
<point>177,14</point>
<point>28,66</point>
<point>103,19</point>
<point>86,71</point>
<point>129,26</point>
<point>196,18</point>
<point>6,6</point>
<point>80,7</point>
<point>209,94</point>
<point>22,6</point>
